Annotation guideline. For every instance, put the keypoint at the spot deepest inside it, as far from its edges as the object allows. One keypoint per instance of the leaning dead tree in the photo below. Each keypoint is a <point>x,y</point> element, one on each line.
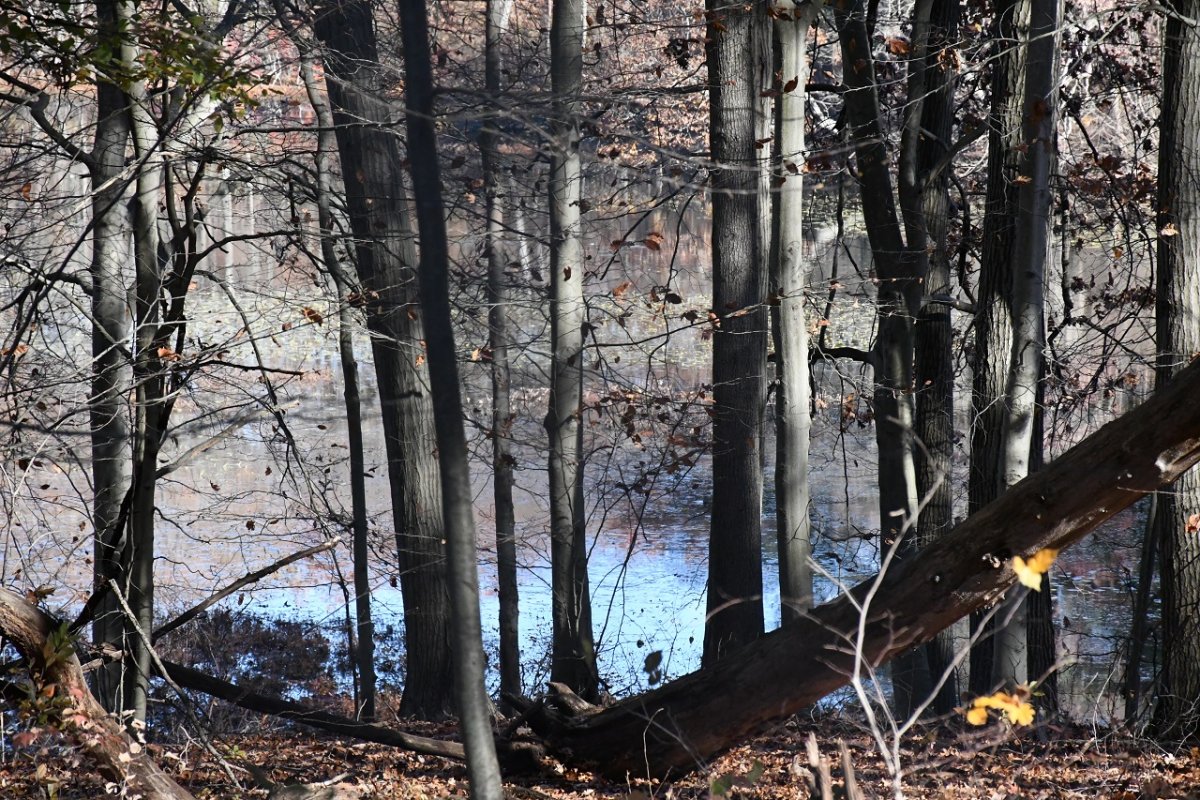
<point>685,722</point>
<point>56,675</point>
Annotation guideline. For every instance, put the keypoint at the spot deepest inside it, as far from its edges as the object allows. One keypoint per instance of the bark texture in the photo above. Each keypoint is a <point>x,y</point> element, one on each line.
<point>793,396</point>
<point>499,339</point>
<point>993,324</point>
<point>1178,339</point>
<point>470,663</point>
<point>386,261</point>
<point>735,584</point>
<point>934,333</point>
<point>112,254</point>
<point>573,656</point>
<point>83,720</point>
<point>1027,310</point>
<point>967,569</point>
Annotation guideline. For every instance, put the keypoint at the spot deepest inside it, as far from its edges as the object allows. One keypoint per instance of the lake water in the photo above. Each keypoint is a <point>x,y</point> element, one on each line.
<point>248,500</point>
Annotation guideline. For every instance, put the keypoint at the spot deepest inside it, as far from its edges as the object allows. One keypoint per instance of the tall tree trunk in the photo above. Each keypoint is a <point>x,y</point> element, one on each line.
<point>111,454</point>
<point>364,656</point>
<point>498,342</point>
<point>151,408</point>
<point>1030,250</point>
<point>469,660</point>
<point>573,660</point>
<point>1178,340</point>
<point>993,325</point>
<point>898,271</point>
<point>735,583</point>
<point>934,334</point>
<point>971,566</point>
<point>380,219</point>
<point>793,420</point>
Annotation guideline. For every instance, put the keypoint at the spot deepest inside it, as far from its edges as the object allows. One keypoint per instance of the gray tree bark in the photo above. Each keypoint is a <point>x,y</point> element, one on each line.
<point>474,709</point>
<point>151,409</point>
<point>573,657</point>
<point>793,419</point>
<point>1178,340</point>
<point>386,260</point>
<point>364,656</point>
<point>34,635</point>
<point>1030,250</point>
<point>736,36</point>
<point>898,273</point>
<point>993,325</point>
<point>934,334</point>
<point>499,339</point>
<point>112,254</point>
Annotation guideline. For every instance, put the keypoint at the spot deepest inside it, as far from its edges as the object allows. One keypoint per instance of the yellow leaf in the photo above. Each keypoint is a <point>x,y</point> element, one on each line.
<point>1030,572</point>
<point>1021,714</point>
<point>1013,706</point>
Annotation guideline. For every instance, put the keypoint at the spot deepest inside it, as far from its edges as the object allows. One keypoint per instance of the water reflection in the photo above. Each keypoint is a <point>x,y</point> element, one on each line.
<point>247,499</point>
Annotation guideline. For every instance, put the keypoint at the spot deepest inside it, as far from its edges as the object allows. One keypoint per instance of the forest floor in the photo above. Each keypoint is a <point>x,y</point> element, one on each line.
<point>947,763</point>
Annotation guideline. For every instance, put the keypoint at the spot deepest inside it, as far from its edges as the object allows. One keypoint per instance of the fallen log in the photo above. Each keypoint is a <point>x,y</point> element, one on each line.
<point>685,722</point>
<point>515,755</point>
<point>56,673</point>
<point>199,681</point>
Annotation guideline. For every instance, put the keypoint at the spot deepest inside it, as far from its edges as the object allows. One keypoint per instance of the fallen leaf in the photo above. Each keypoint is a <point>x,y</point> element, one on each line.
<point>1030,572</point>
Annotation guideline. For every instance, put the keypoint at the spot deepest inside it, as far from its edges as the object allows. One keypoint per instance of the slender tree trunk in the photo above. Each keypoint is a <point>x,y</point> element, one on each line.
<point>364,656</point>
<point>793,420</point>
<point>469,661</point>
<point>573,660</point>
<point>735,584</point>
<point>111,376</point>
<point>993,325</point>
<point>386,260</point>
<point>898,271</point>
<point>1139,628</point>
<point>151,408</point>
<point>498,341</point>
<point>934,334</point>
<point>1178,340</point>
<point>1030,251</point>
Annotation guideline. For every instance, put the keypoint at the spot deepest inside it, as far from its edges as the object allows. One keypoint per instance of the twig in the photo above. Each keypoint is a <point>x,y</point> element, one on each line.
<point>246,580</point>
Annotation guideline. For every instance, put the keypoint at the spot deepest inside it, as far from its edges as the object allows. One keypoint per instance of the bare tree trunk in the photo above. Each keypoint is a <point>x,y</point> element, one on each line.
<point>364,656</point>
<point>735,585</point>
<point>111,374</point>
<point>934,333</point>
<point>151,409</point>
<point>898,271</point>
<point>474,709</point>
<point>573,660</point>
<point>1178,340</point>
<point>380,220</point>
<point>1139,628</point>
<point>793,393</point>
<point>968,568</point>
<point>1030,250</point>
<point>499,340</point>
<point>993,325</point>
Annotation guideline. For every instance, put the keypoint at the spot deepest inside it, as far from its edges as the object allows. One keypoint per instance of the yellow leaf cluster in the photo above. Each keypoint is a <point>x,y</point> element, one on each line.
<point>1013,706</point>
<point>1030,572</point>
